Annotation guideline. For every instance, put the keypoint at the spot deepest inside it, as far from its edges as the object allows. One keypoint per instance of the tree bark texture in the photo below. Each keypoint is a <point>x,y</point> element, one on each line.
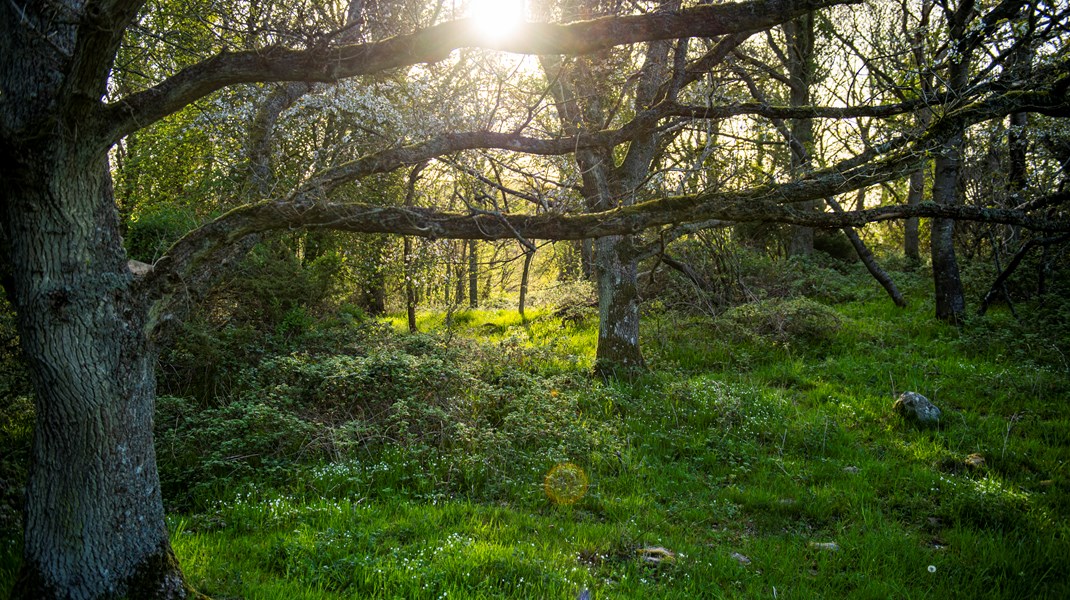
<point>95,522</point>
<point>524,278</point>
<point>950,297</point>
<point>618,307</point>
<point>410,283</point>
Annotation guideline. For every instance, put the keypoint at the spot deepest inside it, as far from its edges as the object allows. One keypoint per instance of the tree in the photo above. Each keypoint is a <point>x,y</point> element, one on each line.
<point>94,521</point>
<point>586,93</point>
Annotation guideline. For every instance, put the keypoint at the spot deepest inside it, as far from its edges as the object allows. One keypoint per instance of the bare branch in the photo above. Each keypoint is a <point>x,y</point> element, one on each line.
<point>434,44</point>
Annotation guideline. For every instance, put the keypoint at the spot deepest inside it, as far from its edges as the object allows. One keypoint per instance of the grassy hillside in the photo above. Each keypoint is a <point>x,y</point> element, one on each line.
<point>759,457</point>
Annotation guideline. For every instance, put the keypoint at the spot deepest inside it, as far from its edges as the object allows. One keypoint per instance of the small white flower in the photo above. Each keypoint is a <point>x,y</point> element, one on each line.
<point>932,568</point>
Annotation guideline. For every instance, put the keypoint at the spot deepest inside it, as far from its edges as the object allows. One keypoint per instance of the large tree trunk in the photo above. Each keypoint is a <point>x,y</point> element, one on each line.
<point>950,297</point>
<point>94,519</point>
<point>618,307</point>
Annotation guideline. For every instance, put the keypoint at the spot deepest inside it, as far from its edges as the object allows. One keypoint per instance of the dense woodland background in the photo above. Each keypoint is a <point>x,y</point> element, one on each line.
<point>381,309</point>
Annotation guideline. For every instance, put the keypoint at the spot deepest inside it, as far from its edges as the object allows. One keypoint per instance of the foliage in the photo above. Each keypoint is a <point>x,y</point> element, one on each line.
<point>16,424</point>
<point>153,230</point>
<point>488,417</point>
<point>796,322</point>
<point>736,275</point>
<point>571,301</point>
<point>761,457</point>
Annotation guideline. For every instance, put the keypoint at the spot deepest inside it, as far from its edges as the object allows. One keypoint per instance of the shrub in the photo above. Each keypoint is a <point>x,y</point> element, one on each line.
<point>572,301</point>
<point>476,407</point>
<point>798,322</point>
<point>203,450</point>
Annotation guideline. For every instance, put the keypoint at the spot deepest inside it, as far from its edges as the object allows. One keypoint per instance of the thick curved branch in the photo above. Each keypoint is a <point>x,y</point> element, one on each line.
<point>793,112</point>
<point>434,44</point>
<point>769,203</point>
<point>451,143</point>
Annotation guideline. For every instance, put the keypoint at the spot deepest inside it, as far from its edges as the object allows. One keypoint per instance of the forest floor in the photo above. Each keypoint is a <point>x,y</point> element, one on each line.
<point>759,457</point>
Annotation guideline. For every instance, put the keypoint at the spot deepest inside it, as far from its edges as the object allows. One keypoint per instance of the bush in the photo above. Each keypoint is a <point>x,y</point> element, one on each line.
<point>796,322</point>
<point>475,407</point>
<point>573,302</point>
<point>16,435</point>
<point>204,450</point>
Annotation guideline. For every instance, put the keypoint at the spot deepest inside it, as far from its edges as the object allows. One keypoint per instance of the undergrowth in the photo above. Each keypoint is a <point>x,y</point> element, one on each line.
<point>759,451</point>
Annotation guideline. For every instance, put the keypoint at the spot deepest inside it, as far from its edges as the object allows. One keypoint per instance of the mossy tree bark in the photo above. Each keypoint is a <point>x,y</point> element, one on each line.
<point>94,518</point>
<point>95,527</point>
<point>585,97</point>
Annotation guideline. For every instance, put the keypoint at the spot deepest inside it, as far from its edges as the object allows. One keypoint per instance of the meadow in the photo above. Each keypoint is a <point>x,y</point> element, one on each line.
<point>758,457</point>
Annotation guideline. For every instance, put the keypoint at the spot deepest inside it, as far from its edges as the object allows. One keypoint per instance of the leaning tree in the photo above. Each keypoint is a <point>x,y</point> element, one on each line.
<point>94,522</point>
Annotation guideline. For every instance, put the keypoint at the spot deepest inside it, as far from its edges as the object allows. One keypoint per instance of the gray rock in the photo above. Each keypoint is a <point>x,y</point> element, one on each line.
<point>916,408</point>
<point>830,546</point>
<point>741,559</point>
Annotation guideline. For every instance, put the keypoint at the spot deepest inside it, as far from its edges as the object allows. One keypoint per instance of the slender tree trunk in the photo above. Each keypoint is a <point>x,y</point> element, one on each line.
<point>473,275</point>
<point>94,518</point>
<point>410,284</point>
<point>800,42</point>
<point>911,234</point>
<point>407,251</point>
<point>587,259</point>
<point>528,256</point>
<point>916,193</point>
<point>461,279</point>
<point>866,255</point>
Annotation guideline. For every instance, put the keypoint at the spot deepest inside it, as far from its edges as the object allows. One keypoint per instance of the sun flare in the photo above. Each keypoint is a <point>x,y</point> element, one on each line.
<point>496,19</point>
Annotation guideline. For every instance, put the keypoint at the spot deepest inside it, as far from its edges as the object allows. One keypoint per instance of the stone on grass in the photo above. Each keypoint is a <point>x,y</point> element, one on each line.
<point>741,559</point>
<point>830,546</point>
<point>917,409</point>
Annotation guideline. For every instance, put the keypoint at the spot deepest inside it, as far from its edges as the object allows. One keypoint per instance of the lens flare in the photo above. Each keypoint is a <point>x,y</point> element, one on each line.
<point>566,483</point>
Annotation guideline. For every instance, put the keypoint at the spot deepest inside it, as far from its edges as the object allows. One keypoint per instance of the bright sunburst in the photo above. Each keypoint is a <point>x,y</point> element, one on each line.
<point>496,19</point>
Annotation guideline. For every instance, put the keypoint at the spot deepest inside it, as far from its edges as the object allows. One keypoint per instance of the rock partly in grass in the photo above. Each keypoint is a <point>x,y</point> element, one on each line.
<point>741,559</point>
<point>829,546</point>
<point>917,409</point>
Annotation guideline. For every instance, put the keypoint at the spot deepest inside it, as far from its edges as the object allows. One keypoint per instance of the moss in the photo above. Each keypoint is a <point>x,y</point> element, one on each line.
<point>159,576</point>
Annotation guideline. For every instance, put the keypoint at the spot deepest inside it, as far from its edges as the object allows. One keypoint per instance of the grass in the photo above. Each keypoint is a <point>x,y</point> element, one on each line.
<point>745,455</point>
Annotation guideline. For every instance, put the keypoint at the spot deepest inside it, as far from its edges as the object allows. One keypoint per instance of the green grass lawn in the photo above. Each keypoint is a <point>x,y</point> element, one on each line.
<point>760,450</point>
